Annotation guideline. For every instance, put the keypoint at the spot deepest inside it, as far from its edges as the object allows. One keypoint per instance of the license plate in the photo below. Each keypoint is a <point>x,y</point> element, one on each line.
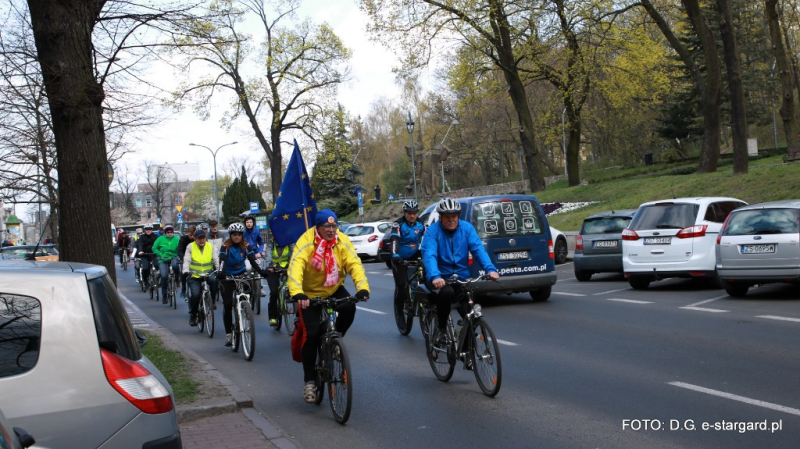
<point>518,255</point>
<point>605,244</point>
<point>354,242</point>
<point>657,240</point>
<point>758,249</point>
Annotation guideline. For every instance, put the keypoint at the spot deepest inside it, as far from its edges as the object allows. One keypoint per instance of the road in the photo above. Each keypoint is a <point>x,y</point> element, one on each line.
<point>599,365</point>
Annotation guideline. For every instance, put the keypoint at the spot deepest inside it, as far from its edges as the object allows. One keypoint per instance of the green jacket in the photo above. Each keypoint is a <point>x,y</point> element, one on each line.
<point>166,248</point>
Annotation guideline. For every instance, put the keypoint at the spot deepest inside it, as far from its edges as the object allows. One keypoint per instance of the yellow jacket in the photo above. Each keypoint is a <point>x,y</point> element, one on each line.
<point>303,278</point>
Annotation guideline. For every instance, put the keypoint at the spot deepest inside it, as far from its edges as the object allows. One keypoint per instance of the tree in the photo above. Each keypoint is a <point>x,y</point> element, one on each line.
<point>334,173</point>
<point>201,199</point>
<point>733,68</point>
<point>788,109</point>
<point>238,196</point>
<point>298,66</point>
<point>159,182</point>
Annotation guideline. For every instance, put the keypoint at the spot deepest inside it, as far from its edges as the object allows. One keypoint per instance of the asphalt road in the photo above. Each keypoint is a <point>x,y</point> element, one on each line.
<point>599,365</point>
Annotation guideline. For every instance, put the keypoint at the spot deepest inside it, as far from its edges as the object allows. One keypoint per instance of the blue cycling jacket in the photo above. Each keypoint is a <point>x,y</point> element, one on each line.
<point>445,253</point>
<point>253,238</point>
<point>408,238</point>
<point>235,257</point>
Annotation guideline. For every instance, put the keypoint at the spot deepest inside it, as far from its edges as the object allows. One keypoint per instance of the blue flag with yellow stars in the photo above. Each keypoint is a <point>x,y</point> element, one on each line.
<point>295,208</point>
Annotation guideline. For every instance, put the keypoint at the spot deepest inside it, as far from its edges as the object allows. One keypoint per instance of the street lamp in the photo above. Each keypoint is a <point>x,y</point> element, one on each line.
<point>214,155</point>
<point>455,122</point>
<point>35,160</point>
<point>410,126</point>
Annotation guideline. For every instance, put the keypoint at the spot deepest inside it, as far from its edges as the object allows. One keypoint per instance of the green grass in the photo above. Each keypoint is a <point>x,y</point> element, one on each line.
<point>768,180</point>
<point>174,367</point>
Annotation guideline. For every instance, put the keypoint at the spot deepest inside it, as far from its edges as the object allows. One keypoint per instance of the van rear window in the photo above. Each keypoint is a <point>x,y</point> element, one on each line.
<point>507,219</point>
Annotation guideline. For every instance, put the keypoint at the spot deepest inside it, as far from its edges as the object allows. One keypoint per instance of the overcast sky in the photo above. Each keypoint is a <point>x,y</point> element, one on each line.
<point>372,78</point>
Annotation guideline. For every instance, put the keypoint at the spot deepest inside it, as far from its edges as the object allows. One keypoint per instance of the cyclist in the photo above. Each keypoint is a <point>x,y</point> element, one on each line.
<point>213,235</point>
<point>252,236</point>
<point>280,259</point>
<point>406,237</point>
<point>445,251</point>
<point>322,258</point>
<point>123,243</point>
<point>139,233</point>
<point>144,252</point>
<point>166,250</point>
<point>183,243</point>
<point>232,256</point>
<point>199,260</point>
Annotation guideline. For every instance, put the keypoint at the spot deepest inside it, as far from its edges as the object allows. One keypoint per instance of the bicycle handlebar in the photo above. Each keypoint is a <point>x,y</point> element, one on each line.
<point>411,262</point>
<point>327,301</point>
<point>455,280</point>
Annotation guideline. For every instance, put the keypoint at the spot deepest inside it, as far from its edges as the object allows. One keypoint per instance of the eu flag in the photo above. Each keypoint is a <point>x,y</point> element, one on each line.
<point>295,208</point>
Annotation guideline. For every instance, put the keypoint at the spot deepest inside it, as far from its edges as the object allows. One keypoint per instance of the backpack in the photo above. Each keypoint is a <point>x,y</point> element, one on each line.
<point>299,338</point>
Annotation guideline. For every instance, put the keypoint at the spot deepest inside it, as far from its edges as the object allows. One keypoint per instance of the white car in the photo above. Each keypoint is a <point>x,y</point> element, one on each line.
<point>366,237</point>
<point>674,238</point>
<point>560,248</point>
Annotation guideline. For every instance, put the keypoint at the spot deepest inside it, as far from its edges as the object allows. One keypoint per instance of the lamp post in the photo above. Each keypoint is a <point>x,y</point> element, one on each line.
<point>410,126</point>
<point>35,160</point>
<point>214,155</point>
<point>455,122</point>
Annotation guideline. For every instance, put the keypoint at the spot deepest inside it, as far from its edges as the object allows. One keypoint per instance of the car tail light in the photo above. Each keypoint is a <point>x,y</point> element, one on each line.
<point>372,238</point>
<point>697,273</point>
<point>380,244</point>
<point>722,229</point>
<point>470,261</point>
<point>629,234</point>
<point>692,231</point>
<point>550,250</point>
<point>579,242</point>
<point>136,384</point>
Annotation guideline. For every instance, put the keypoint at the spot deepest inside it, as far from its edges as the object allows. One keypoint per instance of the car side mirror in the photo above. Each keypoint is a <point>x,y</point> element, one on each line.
<point>24,437</point>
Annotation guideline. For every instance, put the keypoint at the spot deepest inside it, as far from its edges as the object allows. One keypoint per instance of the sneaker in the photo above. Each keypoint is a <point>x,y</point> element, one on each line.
<point>273,322</point>
<point>310,392</point>
<point>439,339</point>
<point>193,321</point>
<point>228,339</point>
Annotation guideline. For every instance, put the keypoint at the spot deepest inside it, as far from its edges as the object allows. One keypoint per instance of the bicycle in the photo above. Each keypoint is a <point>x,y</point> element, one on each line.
<point>333,364</point>
<point>125,259</point>
<point>137,270</point>
<point>244,322</point>
<point>172,288</point>
<point>257,287</point>
<point>474,344</point>
<point>286,308</point>
<point>405,318</point>
<point>205,317</point>
<point>155,277</point>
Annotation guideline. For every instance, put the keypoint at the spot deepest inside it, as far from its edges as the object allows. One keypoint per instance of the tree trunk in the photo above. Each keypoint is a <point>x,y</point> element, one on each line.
<point>787,108</point>
<point>63,33</point>
<point>734,71</point>
<point>711,98</point>
<point>275,164</point>
<point>573,152</point>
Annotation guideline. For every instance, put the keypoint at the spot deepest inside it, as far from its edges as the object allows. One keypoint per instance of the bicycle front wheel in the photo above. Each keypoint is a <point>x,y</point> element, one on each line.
<point>403,313</point>
<point>248,327</point>
<point>288,311</point>
<point>174,292</point>
<point>486,358</point>
<point>208,313</point>
<point>125,263</point>
<point>442,359</point>
<point>236,337</point>
<point>340,387</point>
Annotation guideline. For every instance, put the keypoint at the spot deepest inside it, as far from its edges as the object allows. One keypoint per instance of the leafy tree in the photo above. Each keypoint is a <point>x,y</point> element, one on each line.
<point>201,198</point>
<point>334,173</point>
<point>238,196</point>
<point>395,179</point>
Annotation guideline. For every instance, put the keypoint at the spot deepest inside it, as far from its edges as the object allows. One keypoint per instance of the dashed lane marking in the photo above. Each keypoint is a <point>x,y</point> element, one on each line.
<point>611,291</point>
<point>371,310</point>
<point>779,318</point>
<point>736,397</point>
<point>507,343</point>
<point>569,294</point>
<point>707,301</point>
<point>703,309</point>
<point>632,301</point>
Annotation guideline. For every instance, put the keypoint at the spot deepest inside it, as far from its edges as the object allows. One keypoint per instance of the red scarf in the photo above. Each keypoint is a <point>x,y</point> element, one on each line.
<point>324,252</point>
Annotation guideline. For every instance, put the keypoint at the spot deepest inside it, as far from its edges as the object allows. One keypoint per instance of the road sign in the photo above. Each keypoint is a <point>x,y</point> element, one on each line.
<point>158,220</point>
<point>261,222</point>
<point>179,208</point>
<point>360,211</point>
<point>179,216</point>
<point>360,201</point>
<point>391,197</point>
<point>254,209</point>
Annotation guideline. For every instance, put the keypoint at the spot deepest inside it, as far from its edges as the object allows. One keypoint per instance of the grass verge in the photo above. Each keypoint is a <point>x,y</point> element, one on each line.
<point>173,366</point>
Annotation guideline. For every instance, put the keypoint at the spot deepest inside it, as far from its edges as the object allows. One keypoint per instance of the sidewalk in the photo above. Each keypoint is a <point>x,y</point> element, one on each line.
<point>233,424</point>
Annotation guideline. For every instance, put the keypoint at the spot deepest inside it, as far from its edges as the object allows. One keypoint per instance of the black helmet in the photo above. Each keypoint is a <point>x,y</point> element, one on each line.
<point>448,206</point>
<point>410,206</point>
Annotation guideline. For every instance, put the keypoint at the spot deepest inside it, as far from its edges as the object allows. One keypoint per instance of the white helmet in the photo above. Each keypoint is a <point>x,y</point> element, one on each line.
<point>236,227</point>
<point>448,206</point>
<point>410,206</point>
<point>148,226</point>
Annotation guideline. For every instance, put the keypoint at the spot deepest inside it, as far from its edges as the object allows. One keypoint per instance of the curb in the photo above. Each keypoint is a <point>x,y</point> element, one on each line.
<point>240,401</point>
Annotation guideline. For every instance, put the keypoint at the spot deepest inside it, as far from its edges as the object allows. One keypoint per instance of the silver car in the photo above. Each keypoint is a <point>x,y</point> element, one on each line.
<point>759,244</point>
<point>70,362</point>
<point>598,247</point>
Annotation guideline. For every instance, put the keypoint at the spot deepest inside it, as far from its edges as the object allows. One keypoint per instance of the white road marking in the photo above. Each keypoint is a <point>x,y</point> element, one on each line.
<point>722,394</point>
<point>780,318</point>
<point>632,301</point>
<point>707,301</point>
<point>566,279</point>
<point>371,310</point>
<point>611,291</point>
<point>569,294</point>
<point>703,309</point>
<point>507,343</point>
<point>388,274</point>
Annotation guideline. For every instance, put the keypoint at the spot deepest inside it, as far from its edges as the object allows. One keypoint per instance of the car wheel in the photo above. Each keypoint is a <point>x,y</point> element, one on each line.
<point>561,251</point>
<point>583,275</point>
<point>639,283</point>
<point>542,294</point>
<point>736,290</point>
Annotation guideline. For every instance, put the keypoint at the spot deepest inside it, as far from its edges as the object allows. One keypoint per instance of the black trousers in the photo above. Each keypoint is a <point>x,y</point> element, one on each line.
<point>273,281</point>
<point>444,298</point>
<point>315,328</point>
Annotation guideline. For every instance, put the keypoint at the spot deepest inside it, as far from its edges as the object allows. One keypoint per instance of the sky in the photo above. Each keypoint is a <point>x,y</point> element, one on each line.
<point>371,66</point>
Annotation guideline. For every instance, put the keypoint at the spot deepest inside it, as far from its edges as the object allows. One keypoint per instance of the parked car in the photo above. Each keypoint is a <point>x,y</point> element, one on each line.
<point>560,248</point>
<point>518,239</point>
<point>366,237</point>
<point>674,238</point>
<point>759,244</point>
<point>13,437</point>
<point>385,248</point>
<point>43,252</point>
<point>598,246</point>
<point>343,225</point>
<point>70,361</point>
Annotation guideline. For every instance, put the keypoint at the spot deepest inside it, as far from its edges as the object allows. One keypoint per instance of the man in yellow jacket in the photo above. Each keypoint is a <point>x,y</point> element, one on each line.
<point>323,256</point>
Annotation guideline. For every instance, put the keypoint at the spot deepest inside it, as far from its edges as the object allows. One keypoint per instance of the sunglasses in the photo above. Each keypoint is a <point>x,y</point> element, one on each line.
<point>330,226</point>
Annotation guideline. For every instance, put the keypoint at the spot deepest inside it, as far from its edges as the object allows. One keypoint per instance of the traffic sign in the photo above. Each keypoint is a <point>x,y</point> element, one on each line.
<point>180,216</point>
<point>360,200</point>
<point>360,211</point>
<point>158,220</point>
<point>179,207</point>
<point>254,209</point>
